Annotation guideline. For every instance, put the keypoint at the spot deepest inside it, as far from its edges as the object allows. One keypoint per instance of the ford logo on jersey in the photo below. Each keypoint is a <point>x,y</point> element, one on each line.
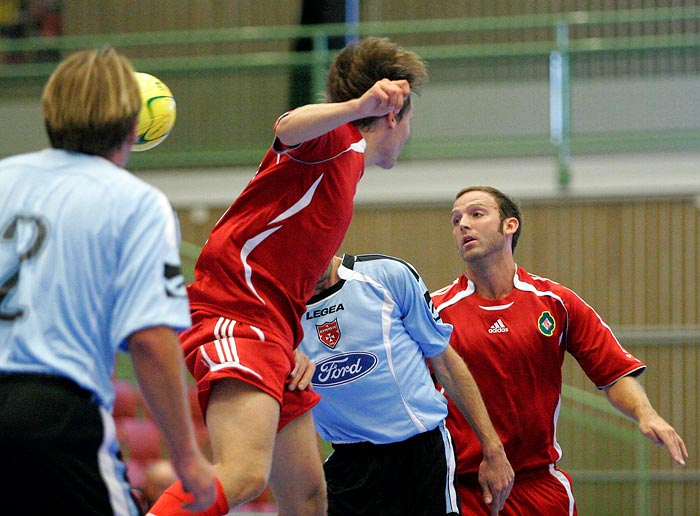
<point>343,368</point>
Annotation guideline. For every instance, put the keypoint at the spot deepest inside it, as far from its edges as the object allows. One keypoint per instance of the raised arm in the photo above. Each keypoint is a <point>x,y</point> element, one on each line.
<point>311,121</point>
<point>157,360</point>
<point>495,472</point>
<point>628,396</point>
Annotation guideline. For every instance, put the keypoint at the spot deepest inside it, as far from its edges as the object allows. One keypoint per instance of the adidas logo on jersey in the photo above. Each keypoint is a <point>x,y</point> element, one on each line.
<point>498,327</point>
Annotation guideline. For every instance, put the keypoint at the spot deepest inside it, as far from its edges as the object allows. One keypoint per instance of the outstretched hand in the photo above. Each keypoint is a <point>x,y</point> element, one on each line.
<point>655,428</point>
<point>629,397</point>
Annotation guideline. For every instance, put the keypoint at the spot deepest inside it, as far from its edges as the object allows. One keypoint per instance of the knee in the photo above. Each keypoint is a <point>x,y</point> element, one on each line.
<point>318,493</point>
<point>252,485</point>
<point>314,494</point>
<point>242,485</point>
<point>309,498</point>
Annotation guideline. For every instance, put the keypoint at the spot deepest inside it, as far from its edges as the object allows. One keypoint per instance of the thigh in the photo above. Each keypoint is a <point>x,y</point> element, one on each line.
<point>296,403</point>
<point>429,474</point>
<point>297,478</point>
<point>355,482</point>
<point>218,348</point>
<point>242,422</point>
<point>546,493</point>
<point>414,477</point>
<point>551,491</point>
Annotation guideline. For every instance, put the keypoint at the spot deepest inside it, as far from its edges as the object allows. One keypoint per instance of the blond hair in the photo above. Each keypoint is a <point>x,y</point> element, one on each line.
<point>360,65</point>
<point>91,102</point>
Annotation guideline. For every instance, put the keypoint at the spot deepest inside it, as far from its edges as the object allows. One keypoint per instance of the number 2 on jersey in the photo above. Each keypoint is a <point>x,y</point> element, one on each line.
<point>34,244</point>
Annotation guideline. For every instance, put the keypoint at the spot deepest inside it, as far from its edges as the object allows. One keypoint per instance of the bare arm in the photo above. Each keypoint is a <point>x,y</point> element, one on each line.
<point>157,358</point>
<point>313,120</point>
<point>495,472</point>
<point>628,396</point>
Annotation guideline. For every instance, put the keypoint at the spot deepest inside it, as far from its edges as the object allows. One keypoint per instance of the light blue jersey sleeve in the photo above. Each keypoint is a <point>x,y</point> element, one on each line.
<point>418,314</point>
<point>148,267</point>
<point>369,337</point>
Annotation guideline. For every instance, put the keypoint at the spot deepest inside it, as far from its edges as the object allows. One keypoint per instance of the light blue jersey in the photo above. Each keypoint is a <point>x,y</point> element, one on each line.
<point>369,336</point>
<point>88,255</point>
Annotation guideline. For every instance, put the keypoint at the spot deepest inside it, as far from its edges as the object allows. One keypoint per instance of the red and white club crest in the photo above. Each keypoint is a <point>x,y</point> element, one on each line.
<point>329,333</point>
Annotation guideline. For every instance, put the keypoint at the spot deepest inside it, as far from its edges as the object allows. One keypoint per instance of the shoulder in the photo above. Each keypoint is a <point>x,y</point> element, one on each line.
<point>450,294</point>
<point>525,278</point>
<point>384,266</point>
<point>18,159</point>
<point>130,201</point>
<point>103,187</point>
<point>541,285</point>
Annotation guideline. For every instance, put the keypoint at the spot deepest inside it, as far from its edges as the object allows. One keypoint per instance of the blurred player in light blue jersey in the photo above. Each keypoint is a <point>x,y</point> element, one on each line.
<point>369,329</point>
<point>89,266</point>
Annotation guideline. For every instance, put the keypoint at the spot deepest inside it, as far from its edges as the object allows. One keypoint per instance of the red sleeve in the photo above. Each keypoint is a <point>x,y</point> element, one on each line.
<point>591,341</point>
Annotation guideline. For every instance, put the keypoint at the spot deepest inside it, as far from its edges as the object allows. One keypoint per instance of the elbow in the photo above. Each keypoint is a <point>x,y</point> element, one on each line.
<point>284,133</point>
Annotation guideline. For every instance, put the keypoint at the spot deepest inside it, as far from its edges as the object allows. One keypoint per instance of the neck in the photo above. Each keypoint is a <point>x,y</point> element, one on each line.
<point>331,278</point>
<point>121,156</point>
<point>370,152</point>
<point>493,280</point>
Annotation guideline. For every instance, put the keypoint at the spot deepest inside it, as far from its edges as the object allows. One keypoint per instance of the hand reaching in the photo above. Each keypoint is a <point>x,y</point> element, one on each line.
<point>654,427</point>
<point>300,377</point>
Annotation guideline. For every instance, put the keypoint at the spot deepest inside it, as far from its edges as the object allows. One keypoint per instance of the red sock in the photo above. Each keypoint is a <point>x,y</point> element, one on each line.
<point>170,503</point>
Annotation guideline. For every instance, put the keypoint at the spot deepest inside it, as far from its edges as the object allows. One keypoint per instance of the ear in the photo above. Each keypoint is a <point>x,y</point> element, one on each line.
<point>133,132</point>
<point>510,226</point>
<point>391,121</point>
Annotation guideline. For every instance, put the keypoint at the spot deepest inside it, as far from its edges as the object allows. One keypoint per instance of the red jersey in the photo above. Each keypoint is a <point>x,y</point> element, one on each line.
<point>514,348</point>
<point>264,256</point>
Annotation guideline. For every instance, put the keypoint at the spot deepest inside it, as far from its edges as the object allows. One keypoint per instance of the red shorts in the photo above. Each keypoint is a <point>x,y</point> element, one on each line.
<point>216,347</point>
<point>543,491</point>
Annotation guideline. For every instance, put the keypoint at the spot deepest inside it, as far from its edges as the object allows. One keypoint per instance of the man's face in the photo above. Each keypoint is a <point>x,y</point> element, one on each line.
<point>394,140</point>
<point>476,226</point>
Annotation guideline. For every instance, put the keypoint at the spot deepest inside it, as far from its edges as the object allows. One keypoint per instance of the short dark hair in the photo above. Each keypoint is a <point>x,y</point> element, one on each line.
<point>507,207</point>
<point>360,65</point>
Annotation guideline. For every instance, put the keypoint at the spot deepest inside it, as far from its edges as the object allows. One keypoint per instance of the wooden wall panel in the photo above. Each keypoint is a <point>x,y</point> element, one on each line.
<point>89,17</point>
<point>635,261</point>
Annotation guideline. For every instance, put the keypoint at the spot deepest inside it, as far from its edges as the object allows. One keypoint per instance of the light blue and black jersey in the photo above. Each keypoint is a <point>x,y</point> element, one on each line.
<point>89,254</point>
<point>369,336</point>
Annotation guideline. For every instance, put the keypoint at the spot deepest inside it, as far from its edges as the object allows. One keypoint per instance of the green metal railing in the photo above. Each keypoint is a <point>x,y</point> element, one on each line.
<point>564,39</point>
<point>624,432</point>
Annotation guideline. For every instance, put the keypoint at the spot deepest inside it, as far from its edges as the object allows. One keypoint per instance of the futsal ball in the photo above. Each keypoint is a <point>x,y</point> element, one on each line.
<point>157,116</point>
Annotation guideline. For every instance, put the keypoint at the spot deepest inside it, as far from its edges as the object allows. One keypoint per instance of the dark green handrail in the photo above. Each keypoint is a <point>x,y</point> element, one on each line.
<point>220,58</point>
<point>388,28</point>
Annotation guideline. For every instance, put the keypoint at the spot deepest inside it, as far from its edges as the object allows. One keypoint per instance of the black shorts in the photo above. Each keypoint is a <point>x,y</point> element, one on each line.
<point>415,477</point>
<point>57,457</point>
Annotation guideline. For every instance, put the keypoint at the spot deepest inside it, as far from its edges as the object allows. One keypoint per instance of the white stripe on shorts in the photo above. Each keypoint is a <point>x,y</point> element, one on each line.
<point>451,500</point>
<point>226,350</point>
<point>564,482</point>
